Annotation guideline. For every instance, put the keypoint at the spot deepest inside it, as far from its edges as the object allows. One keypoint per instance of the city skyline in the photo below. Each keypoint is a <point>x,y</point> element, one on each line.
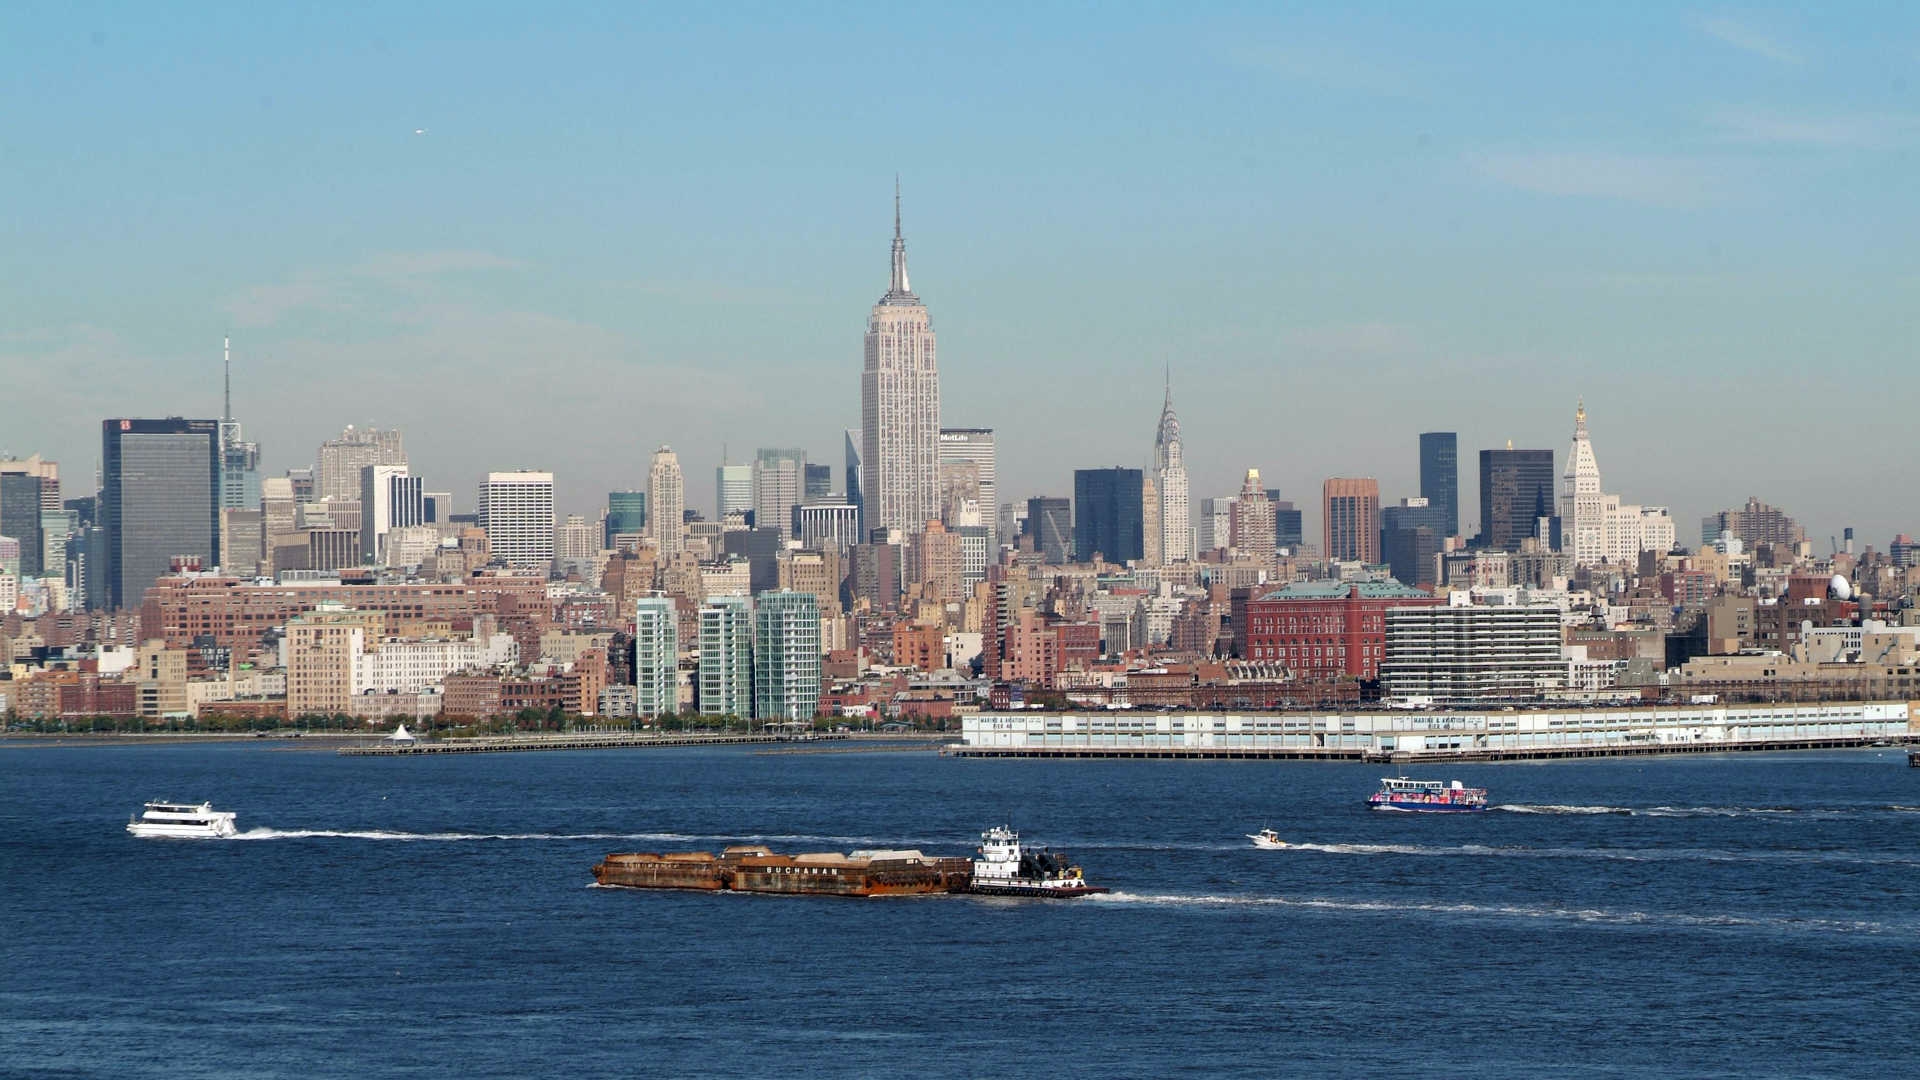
<point>1679,267</point>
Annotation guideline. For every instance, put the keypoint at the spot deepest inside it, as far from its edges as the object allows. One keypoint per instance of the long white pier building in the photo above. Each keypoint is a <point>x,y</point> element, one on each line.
<point>1435,735</point>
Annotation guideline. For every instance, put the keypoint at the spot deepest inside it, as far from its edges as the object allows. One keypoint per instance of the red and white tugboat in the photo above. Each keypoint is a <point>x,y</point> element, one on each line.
<point>1005,868</point>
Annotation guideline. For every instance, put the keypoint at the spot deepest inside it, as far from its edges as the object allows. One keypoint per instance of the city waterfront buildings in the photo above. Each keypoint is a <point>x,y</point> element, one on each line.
<point>1468,654</point>
<point>1326,630</point>
<point>900,406</point>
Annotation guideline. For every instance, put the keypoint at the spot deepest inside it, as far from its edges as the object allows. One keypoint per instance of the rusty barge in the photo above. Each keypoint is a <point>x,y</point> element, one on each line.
<point>756,869</point>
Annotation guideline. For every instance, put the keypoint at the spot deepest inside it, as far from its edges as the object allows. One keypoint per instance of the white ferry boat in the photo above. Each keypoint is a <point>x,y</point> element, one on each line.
<point>1426,796</point>
<point>184,821</point>
<point>1005,868</point>
<point>1268,839</point>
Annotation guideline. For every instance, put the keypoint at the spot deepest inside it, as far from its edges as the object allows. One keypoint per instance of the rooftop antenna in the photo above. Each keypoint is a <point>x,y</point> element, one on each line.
<point>226,366</point>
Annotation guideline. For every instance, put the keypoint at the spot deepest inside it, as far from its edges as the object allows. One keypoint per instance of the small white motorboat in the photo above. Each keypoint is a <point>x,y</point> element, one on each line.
<point>185,821</point>
<point>1267,838</point>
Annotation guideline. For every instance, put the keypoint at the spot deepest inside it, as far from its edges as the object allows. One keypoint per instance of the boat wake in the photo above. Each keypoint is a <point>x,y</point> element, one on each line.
<point>1644,854</point>
<point>1555,808</point>
<point>1595,916</point>
<point>1674,811</point>
<point>385,834</point>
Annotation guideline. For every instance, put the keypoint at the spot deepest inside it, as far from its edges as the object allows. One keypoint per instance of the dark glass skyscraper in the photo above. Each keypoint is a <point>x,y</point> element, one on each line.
<point>159,499</point>
<point>817,483</point>
<point>626,513</point>
<point>1050,523</point>
<point>1410,536</point>
<point>1440,478</point>
<point>1107,518</point>
<point>1516,491</point>
<point>20,518</point>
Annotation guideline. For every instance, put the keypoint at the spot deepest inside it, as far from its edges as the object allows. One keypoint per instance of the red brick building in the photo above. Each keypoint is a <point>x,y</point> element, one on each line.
<point>1323,630</point>
<point>922,647</point>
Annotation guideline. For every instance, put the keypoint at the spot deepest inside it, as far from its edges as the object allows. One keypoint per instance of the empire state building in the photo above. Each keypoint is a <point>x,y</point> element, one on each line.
<point>900,406</point>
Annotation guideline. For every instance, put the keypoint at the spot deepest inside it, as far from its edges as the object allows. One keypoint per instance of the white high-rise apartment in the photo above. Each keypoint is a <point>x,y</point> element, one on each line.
<point>726,657</point>
<point>900,406</point>
<point>516,512</point>
<point>732,490</point>
<point>974,446</point>
<point>786,656</point>
<point>656,655</point>
<point>575,540</point>
<point>1170,479</point>
<point>779,481</point>
<point>667,499</point>
<point>1595,527</point>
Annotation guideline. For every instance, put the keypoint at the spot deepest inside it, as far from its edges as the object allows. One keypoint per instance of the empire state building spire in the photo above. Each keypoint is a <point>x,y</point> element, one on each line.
<point>898,287</point>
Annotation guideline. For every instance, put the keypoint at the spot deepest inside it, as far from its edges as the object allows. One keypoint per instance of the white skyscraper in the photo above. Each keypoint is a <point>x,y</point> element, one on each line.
<point>779,478</point>
<point>732,490</point>
<point>974,446</point>
<point>516,511</point>
<point>656,655</point>
<point>667,493</point>
<point>1596,527</point>
<point>900,406</point>
<point>389,499</point>
<point>1170,478</point>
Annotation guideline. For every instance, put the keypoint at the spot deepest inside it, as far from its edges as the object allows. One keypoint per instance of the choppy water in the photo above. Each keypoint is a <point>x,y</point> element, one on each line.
<point>1734,916</point>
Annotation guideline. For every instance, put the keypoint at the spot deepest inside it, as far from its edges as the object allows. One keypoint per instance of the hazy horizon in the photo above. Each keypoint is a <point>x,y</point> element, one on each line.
<point>1340,230</point>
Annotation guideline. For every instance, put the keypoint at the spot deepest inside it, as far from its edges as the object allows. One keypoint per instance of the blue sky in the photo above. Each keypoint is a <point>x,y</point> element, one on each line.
<point>630,225</point>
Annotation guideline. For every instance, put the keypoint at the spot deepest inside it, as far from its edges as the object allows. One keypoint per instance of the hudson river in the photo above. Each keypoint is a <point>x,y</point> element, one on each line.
<point>1737,916</point>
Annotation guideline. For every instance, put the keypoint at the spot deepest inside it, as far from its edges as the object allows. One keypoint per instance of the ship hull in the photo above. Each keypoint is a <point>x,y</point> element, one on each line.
<point>1043,892</point>
<point>1427,808</point>
<point>763,872</point>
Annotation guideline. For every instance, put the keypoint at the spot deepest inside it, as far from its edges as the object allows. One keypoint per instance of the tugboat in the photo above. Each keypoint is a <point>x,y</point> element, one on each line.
<point>1005,868</point>
<point>183,821</point>
<point>1426,796</point>
<point>1268,839</point>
